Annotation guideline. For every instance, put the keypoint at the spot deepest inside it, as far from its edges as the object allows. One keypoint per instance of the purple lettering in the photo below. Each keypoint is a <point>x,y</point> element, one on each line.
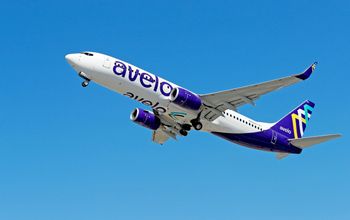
<point>146,79</point>
<point>165,88</point>
<point>119,68</point>
<point>156,84</point>
<point>133,78</point>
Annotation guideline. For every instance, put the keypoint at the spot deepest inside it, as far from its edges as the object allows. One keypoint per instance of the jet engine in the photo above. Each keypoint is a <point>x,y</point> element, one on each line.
<point>185,99</point>
<point>145,118</point>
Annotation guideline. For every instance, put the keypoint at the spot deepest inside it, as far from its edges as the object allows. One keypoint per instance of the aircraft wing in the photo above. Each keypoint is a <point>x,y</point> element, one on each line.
<point>218,102</point>
<point>168,129</point>
<point>159,136</point>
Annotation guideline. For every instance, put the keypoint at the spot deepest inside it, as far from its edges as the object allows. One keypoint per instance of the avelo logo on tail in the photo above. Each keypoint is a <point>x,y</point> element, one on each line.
<point>303,121</point>
<point>294,123</point>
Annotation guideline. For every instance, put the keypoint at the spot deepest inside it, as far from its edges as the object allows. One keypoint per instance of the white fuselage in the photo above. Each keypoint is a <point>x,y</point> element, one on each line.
<point>177,110</point>
<point>154,92</point>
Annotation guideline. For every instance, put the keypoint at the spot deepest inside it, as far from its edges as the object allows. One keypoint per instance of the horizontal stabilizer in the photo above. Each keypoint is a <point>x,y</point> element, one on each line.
<point>281,155</point>
<point>309,141</point>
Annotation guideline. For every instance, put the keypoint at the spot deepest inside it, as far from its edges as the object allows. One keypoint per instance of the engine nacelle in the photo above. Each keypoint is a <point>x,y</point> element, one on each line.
<point>185,99</point>
<point>145,118</point>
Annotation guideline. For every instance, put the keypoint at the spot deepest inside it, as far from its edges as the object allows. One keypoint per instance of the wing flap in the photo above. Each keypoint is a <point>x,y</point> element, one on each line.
<point>160,136</point>
<point>168,129</point>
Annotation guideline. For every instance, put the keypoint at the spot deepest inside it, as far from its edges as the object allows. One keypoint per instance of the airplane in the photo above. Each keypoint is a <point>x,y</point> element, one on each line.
<point>175,111</point>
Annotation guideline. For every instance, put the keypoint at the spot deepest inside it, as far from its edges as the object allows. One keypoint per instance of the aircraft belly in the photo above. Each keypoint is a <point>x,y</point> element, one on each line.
<point>259,140</point>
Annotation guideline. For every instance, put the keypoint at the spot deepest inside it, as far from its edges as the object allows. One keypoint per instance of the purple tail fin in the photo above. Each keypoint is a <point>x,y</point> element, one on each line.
<point>293,125</point>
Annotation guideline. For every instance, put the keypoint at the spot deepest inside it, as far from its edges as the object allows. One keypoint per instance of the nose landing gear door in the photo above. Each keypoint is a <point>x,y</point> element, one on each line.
<point>274,137</point>
<point>107,63</point>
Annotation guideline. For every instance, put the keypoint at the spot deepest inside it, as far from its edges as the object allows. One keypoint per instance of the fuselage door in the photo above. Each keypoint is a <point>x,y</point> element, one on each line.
<point>274,137</point>
<point>107,63</point>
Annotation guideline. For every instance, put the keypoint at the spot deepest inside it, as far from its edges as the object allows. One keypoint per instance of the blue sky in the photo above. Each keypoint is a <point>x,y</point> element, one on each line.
<point>72,153</point>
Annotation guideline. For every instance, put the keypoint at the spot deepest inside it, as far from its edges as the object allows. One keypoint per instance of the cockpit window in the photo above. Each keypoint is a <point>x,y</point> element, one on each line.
<point>88,54</point>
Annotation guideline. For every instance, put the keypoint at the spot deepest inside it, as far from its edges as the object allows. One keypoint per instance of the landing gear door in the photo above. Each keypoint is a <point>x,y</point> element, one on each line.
<point>274,137</point>
<point>107,63</point>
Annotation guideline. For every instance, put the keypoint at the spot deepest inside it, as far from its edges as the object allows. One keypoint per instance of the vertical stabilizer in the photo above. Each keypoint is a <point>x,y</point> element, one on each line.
<point>293,124</point>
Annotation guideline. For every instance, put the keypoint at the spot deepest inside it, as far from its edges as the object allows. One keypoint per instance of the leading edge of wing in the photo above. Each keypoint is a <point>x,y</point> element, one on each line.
<point>302,76</point>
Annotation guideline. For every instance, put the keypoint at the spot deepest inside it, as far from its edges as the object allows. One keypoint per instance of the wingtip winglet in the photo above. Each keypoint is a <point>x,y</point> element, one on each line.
<point>307,73</point>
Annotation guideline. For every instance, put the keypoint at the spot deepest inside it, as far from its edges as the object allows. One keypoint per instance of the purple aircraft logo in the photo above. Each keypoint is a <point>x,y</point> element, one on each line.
<point>146,80</point>
<point>287,130</point>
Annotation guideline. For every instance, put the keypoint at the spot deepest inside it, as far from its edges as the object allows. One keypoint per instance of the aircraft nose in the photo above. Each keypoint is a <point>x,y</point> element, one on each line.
<point>72,59</point>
